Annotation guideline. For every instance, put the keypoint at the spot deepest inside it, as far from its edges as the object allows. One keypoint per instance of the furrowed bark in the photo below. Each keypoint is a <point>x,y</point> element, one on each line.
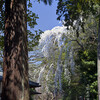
<point>15,67</point>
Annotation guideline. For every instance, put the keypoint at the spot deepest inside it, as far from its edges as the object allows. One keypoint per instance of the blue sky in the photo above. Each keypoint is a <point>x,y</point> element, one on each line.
<point>47,15</point>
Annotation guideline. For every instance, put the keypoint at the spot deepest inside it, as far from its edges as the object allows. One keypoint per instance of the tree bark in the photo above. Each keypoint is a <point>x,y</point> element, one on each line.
<point>98,60</point>
<point>15,66</point>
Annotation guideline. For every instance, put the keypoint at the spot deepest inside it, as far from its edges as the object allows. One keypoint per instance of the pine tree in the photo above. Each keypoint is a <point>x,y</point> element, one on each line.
<point>15,67</point>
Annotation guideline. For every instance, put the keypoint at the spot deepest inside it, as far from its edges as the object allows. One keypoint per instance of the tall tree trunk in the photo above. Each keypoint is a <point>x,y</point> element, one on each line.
<point>15,67</point>
<point>98,61</point>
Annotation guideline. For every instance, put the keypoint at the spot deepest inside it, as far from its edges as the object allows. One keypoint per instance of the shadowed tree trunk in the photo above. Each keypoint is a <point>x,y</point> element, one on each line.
<point>15,67</point>
<point>98,60</point>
